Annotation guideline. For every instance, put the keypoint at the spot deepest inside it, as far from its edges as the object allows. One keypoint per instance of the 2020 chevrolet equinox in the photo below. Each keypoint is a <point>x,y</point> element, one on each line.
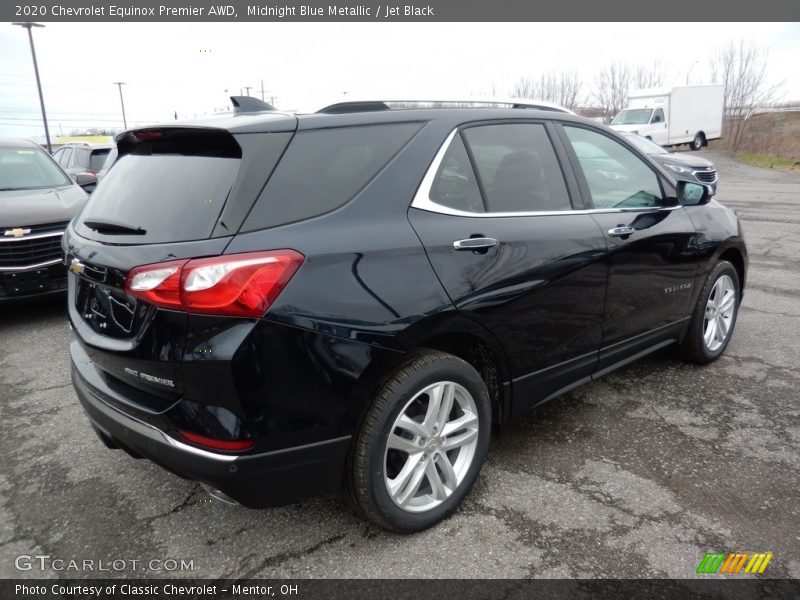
<point>281,305</point>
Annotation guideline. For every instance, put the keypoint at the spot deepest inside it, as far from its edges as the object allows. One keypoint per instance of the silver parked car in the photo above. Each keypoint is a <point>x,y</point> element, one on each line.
<point>684,166</point>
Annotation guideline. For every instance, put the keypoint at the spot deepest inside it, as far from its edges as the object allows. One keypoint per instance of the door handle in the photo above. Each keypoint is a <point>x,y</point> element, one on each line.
<point>478,243</point>
<point>621,231</point>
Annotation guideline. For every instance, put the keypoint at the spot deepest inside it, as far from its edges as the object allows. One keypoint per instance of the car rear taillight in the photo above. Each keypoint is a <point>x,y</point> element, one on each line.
<point>243,285</point>
<point>147,134</point>
<point>215,444</point>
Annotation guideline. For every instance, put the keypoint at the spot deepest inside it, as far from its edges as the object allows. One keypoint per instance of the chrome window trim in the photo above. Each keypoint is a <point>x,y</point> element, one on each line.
<point>35,236</point>
<point>422,200</point>
<point>46,263</point>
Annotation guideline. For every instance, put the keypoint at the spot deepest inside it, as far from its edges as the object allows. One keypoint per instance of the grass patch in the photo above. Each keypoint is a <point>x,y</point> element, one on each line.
<point>768,161</point>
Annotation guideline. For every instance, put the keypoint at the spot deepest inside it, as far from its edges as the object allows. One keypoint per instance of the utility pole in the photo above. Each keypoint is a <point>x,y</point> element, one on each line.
<point>28,25</point>
<point>119,84</point>
<point>262,90</point>
<point>248,88</point>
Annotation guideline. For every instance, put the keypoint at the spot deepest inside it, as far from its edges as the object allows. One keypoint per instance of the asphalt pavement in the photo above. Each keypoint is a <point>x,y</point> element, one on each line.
<point>637,475</point>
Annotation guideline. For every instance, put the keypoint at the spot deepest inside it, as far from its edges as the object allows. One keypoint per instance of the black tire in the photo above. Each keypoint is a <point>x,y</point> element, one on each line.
<point>694,347</point>
<point>698,142</point>
<point>365,485</point>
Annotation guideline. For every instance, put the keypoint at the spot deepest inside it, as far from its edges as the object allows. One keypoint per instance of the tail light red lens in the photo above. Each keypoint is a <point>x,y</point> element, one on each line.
<point>237,284</point>
<point>215,444</point>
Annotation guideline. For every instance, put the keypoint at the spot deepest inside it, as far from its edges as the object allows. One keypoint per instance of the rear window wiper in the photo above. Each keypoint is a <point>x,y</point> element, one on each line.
<point>114,228</point>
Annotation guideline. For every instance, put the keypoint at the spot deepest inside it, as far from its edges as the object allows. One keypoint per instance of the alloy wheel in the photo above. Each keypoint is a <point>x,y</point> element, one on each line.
<point>719,313</point>
<point>431,446</point>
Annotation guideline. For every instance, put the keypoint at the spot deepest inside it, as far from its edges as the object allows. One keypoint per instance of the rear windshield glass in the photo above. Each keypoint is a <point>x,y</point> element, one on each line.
<point>323,169</point>
<point>164,191</point>
<point>98,159</point>
<point>28,169</point>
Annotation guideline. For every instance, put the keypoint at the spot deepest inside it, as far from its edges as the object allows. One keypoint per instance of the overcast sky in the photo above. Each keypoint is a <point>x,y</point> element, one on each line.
<point>187,67</point>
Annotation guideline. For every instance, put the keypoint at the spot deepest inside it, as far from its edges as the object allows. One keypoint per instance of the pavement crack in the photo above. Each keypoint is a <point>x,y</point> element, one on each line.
<point>52,387</point>
<point>190,500</point>
<point>277,559</point>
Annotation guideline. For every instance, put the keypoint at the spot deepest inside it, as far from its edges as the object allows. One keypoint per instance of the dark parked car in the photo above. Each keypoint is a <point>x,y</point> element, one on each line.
<point>37,200</point>
<point>279,306</point>
<point>683,166</point>
<point>83,159</point>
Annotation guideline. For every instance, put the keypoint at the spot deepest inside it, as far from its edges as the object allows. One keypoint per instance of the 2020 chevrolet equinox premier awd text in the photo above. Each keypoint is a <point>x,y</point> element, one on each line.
<point>279,306</point>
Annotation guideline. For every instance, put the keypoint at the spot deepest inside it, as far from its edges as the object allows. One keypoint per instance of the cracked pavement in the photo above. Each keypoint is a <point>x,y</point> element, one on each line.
<point>637,475</point>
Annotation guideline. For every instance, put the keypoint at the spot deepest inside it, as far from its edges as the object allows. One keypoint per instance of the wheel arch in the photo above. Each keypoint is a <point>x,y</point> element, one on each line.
<point>734,256</point>
<point>453,333</point>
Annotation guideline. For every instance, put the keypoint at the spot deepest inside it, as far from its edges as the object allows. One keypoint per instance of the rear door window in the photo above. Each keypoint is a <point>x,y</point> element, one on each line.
<point>170,188</point>
<point>65,157</point>
<point>324,169</point>
<point>455,185</point>
<point>518,168</point>
<point>81,157</point>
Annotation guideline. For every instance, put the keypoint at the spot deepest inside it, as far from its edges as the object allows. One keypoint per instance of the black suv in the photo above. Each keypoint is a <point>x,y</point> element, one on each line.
<point>278,306</point>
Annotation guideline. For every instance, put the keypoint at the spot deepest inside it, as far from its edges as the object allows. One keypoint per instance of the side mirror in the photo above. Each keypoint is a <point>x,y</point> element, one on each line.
<point>86,179</point>
<point>693,194</point>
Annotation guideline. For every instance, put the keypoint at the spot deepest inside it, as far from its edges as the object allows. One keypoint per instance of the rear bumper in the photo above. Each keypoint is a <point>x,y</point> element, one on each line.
<point>253,480</point>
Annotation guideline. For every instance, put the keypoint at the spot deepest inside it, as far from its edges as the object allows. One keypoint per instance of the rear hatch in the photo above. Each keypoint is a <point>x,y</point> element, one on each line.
<point>174,193</point>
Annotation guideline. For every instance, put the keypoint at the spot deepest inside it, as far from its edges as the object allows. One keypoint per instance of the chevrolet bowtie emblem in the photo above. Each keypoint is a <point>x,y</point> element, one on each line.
<point>76,266</point>
<point>16,232</point>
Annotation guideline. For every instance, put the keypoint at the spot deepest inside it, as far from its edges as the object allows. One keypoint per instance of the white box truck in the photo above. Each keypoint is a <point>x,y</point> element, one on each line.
<point>671,116</point>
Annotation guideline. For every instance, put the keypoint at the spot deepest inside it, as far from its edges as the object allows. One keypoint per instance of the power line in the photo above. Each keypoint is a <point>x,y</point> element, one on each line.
<point>79,120</point>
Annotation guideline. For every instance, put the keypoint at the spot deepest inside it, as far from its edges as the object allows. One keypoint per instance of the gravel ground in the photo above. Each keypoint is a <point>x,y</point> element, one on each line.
<point>637,475</point>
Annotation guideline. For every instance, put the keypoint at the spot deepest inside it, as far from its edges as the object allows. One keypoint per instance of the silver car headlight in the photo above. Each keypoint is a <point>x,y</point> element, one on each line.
<point>678,168</point>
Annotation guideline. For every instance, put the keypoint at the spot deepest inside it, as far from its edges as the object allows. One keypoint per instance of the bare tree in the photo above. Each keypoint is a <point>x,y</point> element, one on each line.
<point>742,68</point>
<point>648,76</point>
<point>560,87</point>
<point>612,85</point>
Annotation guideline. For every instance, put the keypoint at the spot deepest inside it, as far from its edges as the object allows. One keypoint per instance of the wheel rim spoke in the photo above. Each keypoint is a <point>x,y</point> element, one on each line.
<point>438,489</point>
<point>397,442</point>
<point>446,406</point>
<point>718,292</point>
<point>434,405</point>
<point>405,493</point>
<point>711,329</point>
<point>410,425</point>
<point>467,420</point>
<point>399,483</point>
<point>459,440</point>
<point>450,477</point>
<point>727,301</point>
<point>722,328</point>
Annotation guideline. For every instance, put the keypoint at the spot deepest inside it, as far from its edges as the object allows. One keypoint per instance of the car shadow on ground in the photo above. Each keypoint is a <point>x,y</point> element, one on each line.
<point>30,311</point>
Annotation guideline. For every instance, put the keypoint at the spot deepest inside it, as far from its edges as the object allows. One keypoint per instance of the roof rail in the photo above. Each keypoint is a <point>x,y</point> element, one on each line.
<point>352,106</point>
<point>248,104</point>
